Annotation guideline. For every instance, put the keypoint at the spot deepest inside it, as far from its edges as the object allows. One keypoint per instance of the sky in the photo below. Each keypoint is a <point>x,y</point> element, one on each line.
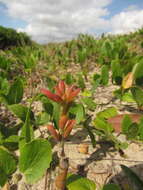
<point>60,20</point>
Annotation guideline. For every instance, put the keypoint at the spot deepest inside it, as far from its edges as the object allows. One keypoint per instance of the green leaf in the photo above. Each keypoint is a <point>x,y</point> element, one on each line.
<point>35,158</point>
<point>126,122</point>
<point>133,177</point>
<point>133,131</point>
<point>7,165</point>
<point>69,78</point>
<point>138,70</point>
<point>91,105</point>
<point>128,97</point>
<point>107,113</point>
<point>11,142</point>
<point>137,95</point>
<point>96,81</point>
<point>48,105</point>
<point>116,71</point>
<point>21,111</point>
<point>78,111</point>
<point>102,124</point>
<point>16,92</point>
<point>104,75</point>
<point>76,182</point>
<point>111,187</point>
<point>81,81</point>
<point>43,118</point>
<point>27,130</point>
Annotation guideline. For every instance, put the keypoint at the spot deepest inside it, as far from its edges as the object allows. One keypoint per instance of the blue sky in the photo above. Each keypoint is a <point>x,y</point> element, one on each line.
<point>58,20</point>
<point>7,21</point>
<point>119,5</point>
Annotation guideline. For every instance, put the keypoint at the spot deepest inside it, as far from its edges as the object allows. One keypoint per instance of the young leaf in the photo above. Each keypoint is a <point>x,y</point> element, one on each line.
<point>35,158</point>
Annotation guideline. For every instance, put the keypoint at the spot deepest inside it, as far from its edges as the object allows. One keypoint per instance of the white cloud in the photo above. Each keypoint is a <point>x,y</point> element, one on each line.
<point>126,21</point>
<point>55,20</point>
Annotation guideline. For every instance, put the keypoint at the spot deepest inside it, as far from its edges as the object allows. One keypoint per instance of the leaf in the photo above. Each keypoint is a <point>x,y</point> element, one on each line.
<point>126,122</point>
<point>116,71</point>
<point>11,142</point>
<point>16,92</point>
<point>48,105</point>
<point>133,177</point>
<point>101,124</point>
<point>107,113</point>
<point>128,97</point>
<point>111,187</point>
<point>91,105</point>
<point>35,158</point>
<point>43,118</point>
<point>96,82</point>
<point>81,81</point>
<point>127,81</point>
<point>133,131</point>
<point>7,165</point>
<point>78,111</point>
<point>137,95</point>
<point>104,75</point>
<point>69,78</point>
<point>27,130</point>
<point>116,121</point>
<point>138,70</point>
<point>21,111</point>
<point>76,182</point>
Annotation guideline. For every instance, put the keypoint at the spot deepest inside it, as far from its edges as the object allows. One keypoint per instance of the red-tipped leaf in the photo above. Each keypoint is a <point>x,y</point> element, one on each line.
<point>51,95</point>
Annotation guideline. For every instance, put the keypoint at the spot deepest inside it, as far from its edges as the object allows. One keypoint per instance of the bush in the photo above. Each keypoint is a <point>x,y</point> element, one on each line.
<point>10,37</point>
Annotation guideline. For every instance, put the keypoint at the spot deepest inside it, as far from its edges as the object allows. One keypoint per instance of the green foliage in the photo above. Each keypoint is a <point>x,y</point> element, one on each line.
<point>21,111</point>
<point>7,165</point>
<point>75,182</point>
<point>104,75</point>
<point>9,38</point>
<point>111,187</point>
<point>78,111</point>
<point>15,94</point>
<point>35,158</point>
<point>137,95</point>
